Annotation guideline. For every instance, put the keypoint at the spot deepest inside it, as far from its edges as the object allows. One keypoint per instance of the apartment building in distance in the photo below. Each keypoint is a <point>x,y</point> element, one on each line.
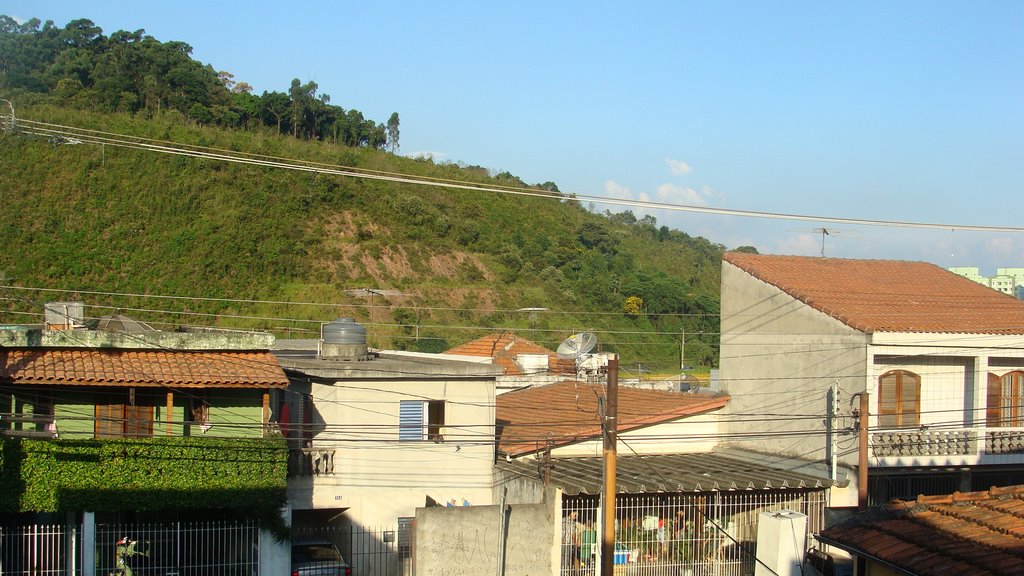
<point>1006,280</point>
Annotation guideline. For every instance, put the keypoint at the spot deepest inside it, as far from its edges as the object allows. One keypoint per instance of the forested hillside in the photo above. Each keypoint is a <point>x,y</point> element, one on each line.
<point>280,249</point>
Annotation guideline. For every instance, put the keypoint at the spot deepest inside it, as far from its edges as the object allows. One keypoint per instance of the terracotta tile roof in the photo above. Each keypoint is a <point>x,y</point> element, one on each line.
<point>158,368</point>
<point>888,295</point>
<point>567,412</point>
<point>967,534</point>
<point>504,348</point>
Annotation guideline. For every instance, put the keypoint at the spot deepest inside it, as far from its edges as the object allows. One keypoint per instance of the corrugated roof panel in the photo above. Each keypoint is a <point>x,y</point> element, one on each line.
<point>704,472</point>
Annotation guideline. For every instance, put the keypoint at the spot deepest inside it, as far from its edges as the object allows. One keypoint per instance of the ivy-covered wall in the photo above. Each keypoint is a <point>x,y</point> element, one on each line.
<point>143,474</point>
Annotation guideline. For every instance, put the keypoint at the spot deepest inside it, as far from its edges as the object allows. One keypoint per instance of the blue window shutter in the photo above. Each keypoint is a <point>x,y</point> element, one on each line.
<point>410,420</point>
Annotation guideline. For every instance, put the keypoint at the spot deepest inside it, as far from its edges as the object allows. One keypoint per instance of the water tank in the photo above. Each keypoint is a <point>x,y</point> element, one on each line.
<point>343,339</point>
<point>64,315</point>
<point>781,543</point>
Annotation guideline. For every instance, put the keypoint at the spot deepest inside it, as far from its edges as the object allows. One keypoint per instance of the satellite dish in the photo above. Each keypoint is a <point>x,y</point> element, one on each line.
<point>576,345</point>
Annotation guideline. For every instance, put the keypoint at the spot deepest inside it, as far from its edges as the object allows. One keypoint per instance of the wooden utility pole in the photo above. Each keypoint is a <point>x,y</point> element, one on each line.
<point>682,350</point>
<point>862,461</point>
<point>610,453</point>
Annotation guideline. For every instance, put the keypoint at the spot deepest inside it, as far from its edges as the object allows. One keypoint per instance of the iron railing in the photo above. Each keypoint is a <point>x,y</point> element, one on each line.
<point>699,534</point>
<point>370,551</point>
<point>183,548</point>
<point>172,549</point>
<point>39,550</point>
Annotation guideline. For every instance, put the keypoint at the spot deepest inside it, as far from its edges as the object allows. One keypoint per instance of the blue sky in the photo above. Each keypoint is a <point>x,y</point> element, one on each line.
<point>906,111</point>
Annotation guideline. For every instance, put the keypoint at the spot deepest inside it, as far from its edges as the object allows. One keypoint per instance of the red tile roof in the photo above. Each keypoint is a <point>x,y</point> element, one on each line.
<point>567,412</point>
<point>504,348</point>
<point>976,533</point>
<point>156,368</point>
<point>888,295</point>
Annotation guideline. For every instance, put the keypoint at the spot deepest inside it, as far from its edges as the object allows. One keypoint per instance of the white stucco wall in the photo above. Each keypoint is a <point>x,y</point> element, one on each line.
<point>694,434</point>
<point>378,478</point>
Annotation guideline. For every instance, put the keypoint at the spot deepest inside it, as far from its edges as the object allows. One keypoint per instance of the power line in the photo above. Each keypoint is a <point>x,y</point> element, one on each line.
<point>50,130</point>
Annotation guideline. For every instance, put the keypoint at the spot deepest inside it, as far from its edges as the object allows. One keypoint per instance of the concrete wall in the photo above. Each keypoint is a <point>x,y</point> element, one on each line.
<point>780,356</point>
<point>471,542</point>
<point>378,478</point>
<point>21,336</point>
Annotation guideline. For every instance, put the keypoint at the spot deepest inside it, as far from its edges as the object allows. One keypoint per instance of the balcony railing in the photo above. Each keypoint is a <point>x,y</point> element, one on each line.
<point>952,444</point>
<point>310,461</point>
<point>28,425</point>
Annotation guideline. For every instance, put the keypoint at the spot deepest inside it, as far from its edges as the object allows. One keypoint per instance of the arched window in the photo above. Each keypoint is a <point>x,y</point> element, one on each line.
<point>1005,406</point>
<point>899,399</point>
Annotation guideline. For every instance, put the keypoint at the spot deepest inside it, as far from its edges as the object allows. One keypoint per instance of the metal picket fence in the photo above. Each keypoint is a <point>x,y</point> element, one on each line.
<point>168,549</point>
<point>182,548</point>
<point>38,549</point>
<point>681,534</point>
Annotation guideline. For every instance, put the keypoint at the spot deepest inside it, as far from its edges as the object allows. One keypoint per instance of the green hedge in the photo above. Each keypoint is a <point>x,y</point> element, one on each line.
<point>143,474</point>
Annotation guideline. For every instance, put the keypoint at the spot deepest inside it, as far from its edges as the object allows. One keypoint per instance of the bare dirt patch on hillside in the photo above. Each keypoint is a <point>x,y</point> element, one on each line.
<point>452,264</point>
<point>345,225</point>
<point>392,264</point>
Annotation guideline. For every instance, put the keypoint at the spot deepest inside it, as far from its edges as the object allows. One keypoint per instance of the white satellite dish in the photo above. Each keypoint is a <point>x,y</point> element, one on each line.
<point>576,345</point>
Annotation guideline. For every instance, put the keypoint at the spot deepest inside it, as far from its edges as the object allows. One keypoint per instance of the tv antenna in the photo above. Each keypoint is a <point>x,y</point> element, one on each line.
<point>823,232</point>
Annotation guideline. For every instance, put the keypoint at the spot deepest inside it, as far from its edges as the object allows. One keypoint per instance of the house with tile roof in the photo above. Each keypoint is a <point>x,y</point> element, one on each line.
<point>971,533</point>
<point>113,423</point>
<point>524,363</point>
<point>940,357</point>
<point>682,504</point>
<point>74,384</point>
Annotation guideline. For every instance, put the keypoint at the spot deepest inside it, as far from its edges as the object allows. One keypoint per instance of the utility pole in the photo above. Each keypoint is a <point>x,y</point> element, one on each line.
<point>610,448</point>
<point>682,349</point>
<point>862,460</point>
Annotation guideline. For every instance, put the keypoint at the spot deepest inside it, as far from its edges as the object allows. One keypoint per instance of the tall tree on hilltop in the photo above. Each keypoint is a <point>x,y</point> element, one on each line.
<point>275,105</point>
<point>303,100</point>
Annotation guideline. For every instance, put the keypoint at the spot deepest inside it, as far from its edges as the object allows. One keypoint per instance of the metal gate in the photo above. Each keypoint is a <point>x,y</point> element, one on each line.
<point>380,551</point>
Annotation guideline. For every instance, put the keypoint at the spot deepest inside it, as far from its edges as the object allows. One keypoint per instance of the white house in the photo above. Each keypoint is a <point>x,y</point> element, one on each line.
<point>940,357</point>
<point>376,435</point>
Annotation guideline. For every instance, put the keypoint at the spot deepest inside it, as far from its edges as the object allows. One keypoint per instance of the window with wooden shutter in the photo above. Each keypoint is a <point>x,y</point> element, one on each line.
<point>1005,400</point>
<point>899,400</point>
<point>993,401</point>
<point>109,419</point>
<point>123,415</point>
<point>138,421</point>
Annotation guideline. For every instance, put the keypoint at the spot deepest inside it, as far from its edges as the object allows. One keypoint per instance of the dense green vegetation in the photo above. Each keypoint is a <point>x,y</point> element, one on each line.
<point>448,265</point>
<point>247,475</point>
<point>134,72</point>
